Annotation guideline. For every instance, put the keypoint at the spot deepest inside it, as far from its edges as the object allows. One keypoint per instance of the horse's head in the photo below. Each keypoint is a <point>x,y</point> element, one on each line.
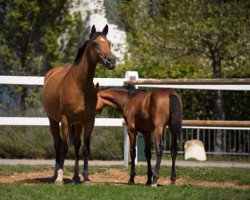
<point>100,51</point>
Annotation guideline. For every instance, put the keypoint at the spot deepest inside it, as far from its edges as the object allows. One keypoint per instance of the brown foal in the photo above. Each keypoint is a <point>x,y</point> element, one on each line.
<point>147,112</point>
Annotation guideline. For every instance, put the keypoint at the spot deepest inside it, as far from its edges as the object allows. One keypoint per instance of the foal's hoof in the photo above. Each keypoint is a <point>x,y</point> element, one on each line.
<point>173,179</point>
<point>154,185</point>
<point>86,182</point>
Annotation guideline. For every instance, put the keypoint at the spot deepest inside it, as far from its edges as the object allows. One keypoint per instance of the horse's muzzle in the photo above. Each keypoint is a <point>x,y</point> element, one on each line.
<point>110,62</point>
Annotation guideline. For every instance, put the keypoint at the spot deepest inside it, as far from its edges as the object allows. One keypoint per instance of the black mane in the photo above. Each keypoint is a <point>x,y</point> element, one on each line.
<point>128,87</point>
<point>80,52</point>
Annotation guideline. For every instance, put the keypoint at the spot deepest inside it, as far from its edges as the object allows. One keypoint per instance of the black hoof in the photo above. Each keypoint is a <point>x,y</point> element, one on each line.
<point>131,182</point>
<point>149,182</point>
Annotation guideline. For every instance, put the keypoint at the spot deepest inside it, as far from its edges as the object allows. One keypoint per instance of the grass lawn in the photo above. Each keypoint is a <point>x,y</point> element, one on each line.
<point>188,190</point>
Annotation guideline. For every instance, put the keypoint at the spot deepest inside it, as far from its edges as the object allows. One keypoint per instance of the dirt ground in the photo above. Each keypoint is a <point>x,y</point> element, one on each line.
<point>111,176</point>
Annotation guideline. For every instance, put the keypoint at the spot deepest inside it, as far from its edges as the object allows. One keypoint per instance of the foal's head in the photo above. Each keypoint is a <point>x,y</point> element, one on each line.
<point>99,47</point>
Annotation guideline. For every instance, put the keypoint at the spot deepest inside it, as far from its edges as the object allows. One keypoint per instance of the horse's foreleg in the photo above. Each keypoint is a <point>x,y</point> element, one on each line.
<point>55,131</point>
<point>147,151</point>
<point>77,144</point>
<point>88,128</point>
<point>63,149</point>
<point>132,137</point>
<point>159,150</point>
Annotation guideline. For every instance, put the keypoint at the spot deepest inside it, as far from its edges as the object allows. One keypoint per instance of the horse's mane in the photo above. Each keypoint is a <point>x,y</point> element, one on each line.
<point>82,48</point>
<point>80,52</point>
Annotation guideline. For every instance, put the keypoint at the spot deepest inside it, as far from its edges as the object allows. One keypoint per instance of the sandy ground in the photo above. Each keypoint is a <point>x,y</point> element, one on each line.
<point>110,175</point>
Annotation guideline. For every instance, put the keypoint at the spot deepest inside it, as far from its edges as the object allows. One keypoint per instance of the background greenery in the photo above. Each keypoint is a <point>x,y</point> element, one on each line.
<point>166,39</point>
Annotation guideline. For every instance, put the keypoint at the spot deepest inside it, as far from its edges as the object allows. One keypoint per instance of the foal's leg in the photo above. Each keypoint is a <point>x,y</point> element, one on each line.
<point>159,150</point>
<point>77,144</point>
<point>173,150</point>
<point>55,131</point>
<point>88,128</point>
<point>63,149</point>
<point>147,151</point>
<point>132,137</point>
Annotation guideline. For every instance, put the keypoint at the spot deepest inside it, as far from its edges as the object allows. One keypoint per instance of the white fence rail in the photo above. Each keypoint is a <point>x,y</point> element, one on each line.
<point>113,122</point>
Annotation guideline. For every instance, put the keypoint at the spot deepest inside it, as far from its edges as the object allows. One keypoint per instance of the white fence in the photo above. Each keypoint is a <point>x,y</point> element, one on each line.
<point>113,122</point>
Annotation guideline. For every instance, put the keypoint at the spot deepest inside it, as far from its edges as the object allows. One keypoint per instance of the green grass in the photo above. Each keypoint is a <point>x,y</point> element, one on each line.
<point>118,192</point>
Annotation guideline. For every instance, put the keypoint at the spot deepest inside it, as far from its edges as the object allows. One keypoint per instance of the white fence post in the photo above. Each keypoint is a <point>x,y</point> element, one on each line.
<point>129,76</point>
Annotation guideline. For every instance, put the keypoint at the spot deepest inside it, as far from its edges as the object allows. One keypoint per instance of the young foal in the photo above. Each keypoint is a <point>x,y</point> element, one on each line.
<point>69,97</point>
<point>146,111</point>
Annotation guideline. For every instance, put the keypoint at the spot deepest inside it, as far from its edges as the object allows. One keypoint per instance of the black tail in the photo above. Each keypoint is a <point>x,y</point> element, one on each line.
<point>71,134</point>
<point>176,114</point>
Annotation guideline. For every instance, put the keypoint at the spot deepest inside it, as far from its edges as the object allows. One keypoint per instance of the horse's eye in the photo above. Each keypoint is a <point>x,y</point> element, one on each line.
<point>96,44</point>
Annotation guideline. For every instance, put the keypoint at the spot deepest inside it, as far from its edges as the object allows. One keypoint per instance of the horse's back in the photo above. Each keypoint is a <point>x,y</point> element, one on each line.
<point>51,90</point>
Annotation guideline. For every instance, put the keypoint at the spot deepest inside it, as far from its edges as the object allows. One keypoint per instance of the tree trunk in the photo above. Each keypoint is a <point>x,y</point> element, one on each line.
<point>220,138</point>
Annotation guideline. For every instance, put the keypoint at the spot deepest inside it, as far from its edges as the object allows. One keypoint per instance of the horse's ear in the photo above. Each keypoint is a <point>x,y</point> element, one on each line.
<point>93,31</point>
<point>105,30</point>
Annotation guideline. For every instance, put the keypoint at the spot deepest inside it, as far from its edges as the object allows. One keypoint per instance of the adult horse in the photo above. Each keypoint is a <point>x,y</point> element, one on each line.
<point>69,97</point>
<point>147,111</point>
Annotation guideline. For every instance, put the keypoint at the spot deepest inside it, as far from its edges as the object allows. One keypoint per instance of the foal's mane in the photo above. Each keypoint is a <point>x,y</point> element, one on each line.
<point>127,87</point>
<point>82,47</point>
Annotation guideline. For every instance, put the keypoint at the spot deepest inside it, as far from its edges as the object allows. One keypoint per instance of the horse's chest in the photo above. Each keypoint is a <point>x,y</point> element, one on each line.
<point>80,107</point>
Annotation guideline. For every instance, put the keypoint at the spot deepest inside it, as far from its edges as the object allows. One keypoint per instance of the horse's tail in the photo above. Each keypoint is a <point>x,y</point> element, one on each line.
<point>71,134</point>
<point>176,114</point>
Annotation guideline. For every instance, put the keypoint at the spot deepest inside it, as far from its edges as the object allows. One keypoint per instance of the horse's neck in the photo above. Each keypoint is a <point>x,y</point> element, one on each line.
<point>84,72</point>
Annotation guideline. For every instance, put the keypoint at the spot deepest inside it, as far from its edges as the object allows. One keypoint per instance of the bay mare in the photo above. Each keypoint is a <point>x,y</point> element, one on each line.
<point>147,112</point>
<point>69,97</point>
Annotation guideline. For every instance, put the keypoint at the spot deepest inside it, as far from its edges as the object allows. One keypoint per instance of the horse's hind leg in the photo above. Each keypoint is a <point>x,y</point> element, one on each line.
<point>77,144</point>
<point>132,137</point>
<point>88,128</point>
<point>158,133</point>
<point>173,150</point>
<point>147,151</point>
<point>55,131</point>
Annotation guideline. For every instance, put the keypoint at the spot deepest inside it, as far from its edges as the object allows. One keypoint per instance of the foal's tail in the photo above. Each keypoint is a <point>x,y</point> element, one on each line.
<point>176,114</point>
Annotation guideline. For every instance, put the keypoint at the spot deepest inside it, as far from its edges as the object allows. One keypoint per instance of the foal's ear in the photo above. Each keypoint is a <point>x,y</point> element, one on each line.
<point>93,31</point>
<point>97,87</point>
<point>105,30</point>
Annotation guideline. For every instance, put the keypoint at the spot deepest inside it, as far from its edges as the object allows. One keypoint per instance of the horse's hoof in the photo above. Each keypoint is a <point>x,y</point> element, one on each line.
<point>131,182</point>
<point>76,179</point>
<point>149,183</point>
<point>56,182</point>
<point>154,185</point>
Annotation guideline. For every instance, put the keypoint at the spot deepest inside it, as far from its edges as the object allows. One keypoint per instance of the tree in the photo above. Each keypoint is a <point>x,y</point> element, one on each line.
<point>188,39</point>
<point>32,38</point>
